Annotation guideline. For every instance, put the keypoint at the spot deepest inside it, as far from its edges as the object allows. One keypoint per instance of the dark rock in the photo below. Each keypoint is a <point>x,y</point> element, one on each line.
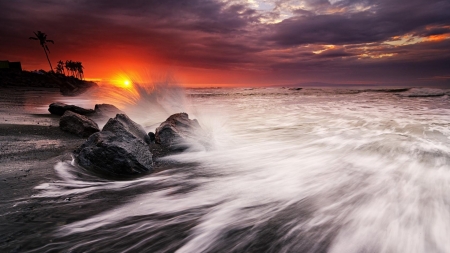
<point>178,132</point>
<point>295,88</point>
<point>107,110</point>
<point>119,153</point>
<point>152,136</point>
<point>121,122</point>
<point>78,124</point>
<point>60,108</point>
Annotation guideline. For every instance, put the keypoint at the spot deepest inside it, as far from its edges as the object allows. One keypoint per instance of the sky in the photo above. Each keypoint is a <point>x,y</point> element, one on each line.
<point>238,42</point>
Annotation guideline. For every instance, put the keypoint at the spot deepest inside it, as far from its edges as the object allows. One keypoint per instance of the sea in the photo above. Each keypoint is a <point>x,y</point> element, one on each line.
<point>317,169</point>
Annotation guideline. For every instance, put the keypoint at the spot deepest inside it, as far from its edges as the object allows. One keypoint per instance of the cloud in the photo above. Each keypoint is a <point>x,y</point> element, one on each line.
<point>262,37</point>
<point>388,19</point>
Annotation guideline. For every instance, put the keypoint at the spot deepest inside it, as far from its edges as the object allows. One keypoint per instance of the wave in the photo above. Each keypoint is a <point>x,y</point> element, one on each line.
<point>426,92</point>
<point>290,173</point>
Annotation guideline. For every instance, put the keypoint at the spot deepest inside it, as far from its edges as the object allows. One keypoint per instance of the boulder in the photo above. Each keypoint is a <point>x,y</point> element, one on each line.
<point>122,122</point>
<point>60,108</point>
<point>111,153</point>
<point>106,110</point>
<point>179,132</point>
<point>78,124</point>
<point>152,137</point>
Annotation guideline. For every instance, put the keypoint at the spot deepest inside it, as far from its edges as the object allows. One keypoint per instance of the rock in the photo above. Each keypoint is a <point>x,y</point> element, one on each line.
<point>121,122</point>
<point>107,110</point>
<point>119,149</point>
<point>152,136</point>
<point>59,109</point>
<point>178,132</point>
<point>78,124</point>
<point>119,153</point>
<point>295,88</point>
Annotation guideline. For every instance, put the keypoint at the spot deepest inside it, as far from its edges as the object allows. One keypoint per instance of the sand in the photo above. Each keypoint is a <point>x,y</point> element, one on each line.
<point>30,145</point>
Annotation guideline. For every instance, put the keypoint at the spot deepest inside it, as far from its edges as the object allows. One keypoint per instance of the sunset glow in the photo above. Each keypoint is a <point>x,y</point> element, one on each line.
<point>239,42</point>
<point>121,83</point>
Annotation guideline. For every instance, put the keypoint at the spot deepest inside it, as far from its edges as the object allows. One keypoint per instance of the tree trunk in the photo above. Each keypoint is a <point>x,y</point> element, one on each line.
<point>45,51</point>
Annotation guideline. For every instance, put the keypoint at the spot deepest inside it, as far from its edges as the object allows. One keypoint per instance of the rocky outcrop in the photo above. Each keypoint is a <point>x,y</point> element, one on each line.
<point>60,108</point>
<point>106,110</point>
<point>115,154</point>
<point>123,147</point>
<point>179,132</point>
<point>118,149</point>
<point>122,121</point>
<point>78,124</point>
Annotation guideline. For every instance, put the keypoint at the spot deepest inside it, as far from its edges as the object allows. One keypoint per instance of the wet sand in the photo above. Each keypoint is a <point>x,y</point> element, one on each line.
<point>28,154</point>
<point>31,143</point>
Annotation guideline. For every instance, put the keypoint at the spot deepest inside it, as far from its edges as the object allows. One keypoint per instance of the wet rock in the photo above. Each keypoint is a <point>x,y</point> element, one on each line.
<point>115,151</point>
<point>106,110</point>
<point>78,124</point>
<point>60,108</point>
<point>179,132</point>
<point>122,122</point>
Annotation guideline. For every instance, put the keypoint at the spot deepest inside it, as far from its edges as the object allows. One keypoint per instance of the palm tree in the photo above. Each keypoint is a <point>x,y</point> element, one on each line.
<point>42,37</point>
<point>60,68</point>
<point>79,68</point>
<point>68,66</point>
<point>75,68</point>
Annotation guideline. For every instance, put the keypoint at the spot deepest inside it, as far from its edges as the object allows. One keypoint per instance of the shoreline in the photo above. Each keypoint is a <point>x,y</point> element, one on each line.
<point>28,154</point>
<point>31,144</point>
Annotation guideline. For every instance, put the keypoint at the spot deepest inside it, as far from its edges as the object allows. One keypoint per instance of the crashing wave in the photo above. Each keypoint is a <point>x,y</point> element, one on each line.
<point>425,92</point>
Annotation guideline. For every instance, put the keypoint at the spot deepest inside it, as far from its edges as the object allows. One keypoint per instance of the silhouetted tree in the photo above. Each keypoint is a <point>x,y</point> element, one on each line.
<point>75,68</point>
<point>42,38</point>
<point>60,68</point>
<point>79,68</point>
<point>68,66</point>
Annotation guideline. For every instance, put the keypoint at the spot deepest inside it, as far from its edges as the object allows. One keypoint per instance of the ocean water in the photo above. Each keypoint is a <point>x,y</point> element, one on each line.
<point>311,170</point>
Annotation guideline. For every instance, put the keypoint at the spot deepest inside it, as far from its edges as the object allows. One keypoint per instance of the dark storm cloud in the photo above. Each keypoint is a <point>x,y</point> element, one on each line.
<point>194,15</point>
<point>379,23</point>
<point>432,31</point>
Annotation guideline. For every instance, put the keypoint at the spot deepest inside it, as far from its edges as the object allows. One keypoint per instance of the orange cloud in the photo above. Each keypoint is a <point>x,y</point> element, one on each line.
<point>438,38</point>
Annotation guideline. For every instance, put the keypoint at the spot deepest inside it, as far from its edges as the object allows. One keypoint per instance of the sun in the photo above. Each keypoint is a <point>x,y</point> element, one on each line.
<point>122,80</point>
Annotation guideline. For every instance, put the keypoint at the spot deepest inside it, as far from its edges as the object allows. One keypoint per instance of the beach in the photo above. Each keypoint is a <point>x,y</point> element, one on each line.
<point>288,170</point>
<point>31,143</point>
